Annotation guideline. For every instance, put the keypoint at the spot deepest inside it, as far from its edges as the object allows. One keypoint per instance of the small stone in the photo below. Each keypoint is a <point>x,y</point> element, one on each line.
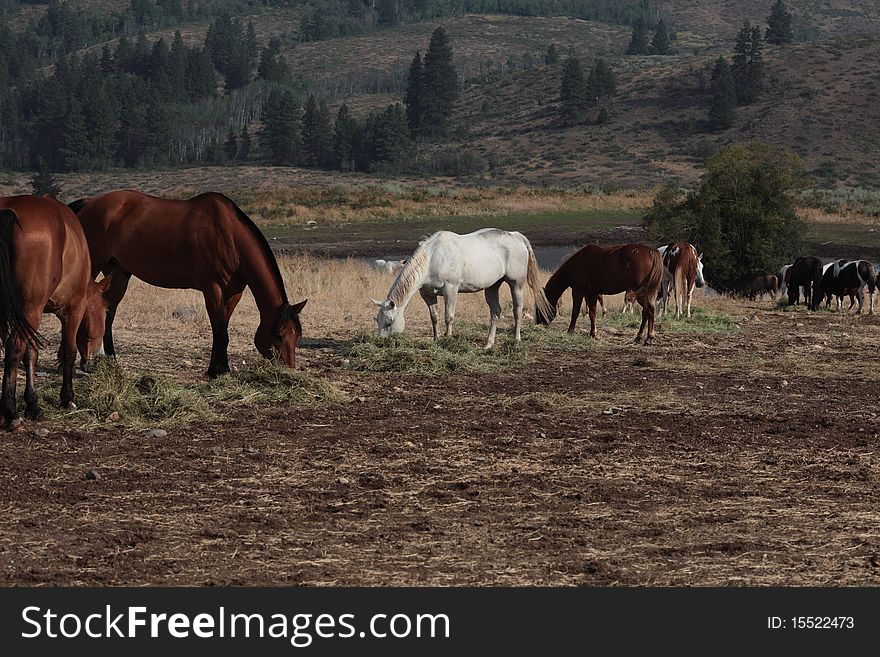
<point>216,451</point>
<point>113,417</point>
<point>608,411</point>
<point>361,399</point>
<point>784,383</point>
<point>187,363</point>
<point>409,444</point>
<point>251,450</point>
<point>345,481</point>
<point>437,407</point>
<point>799,324</point>
<point>42,433</point>
<point>92,475</point>
<point>541,434</point>
<point>155,433</point>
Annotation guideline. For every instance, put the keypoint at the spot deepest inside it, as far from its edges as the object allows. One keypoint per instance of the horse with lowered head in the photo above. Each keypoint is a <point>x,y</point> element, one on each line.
<point>805,272</point>
<point>597,270</point>
<point>448,263</point>
<point>204,243</point>
<point>45,268</point>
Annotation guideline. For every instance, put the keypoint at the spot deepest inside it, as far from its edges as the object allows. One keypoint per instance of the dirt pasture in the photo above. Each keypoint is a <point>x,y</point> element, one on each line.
<point>742,452</point>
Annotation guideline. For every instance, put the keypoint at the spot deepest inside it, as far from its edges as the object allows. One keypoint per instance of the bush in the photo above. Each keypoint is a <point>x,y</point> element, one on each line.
<point>741,217</point>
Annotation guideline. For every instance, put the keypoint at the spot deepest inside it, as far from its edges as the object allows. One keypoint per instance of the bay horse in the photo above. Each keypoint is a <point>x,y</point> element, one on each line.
<point>762,285</point>
<point>205,243</point>
<point>805,272</point>
<point>448,263</point>
<point>682,271</point>
<point>595,270</point>
<point>45,268</point>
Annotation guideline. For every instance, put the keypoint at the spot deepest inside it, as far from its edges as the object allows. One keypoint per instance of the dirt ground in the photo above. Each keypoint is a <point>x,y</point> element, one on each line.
<point>744,457</point>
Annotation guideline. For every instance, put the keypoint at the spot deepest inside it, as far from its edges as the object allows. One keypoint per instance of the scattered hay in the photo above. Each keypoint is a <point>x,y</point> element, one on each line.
<point>153,400</point>
<point>460,353</point>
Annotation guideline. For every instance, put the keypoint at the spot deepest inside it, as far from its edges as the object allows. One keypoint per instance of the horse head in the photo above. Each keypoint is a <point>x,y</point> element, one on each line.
<point>699,280</point>
<point>389,318</point>
<point>280,337</point>
<point>90,335</point>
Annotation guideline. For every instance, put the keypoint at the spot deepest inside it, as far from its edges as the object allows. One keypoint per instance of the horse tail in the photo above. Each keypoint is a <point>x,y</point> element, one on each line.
<point>649,287</point>
<point>534,281</point>
<point>12,319</point>
<point>78,204</point>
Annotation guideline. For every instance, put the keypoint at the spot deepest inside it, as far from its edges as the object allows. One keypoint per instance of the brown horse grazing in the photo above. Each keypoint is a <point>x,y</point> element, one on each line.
<point>44,267</point>
<point>596,270</point>
<point>205,243</point>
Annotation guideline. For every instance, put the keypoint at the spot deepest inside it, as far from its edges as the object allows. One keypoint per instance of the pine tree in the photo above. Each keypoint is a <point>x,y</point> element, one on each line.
<point>317,136</point>
<point>132,135</point>
<point>244,144</point>
<point>158,123</point>
<point>388,12</point>
<point>439,84</point>
<point>201,80</point>
<point>177,68</point>
<point>230,147</point>
<point>602,82</point>
<point>74,140</point>
<point>108,64</point>
<point>748,64</point>
<point>413,97</point>
<point>779,25</point>
<point>273,66</point>
<point>660,42</point>
<point>281,130</point>
<point>638,43</point>
<point>551,57</point>
<point>344,135</point>
<point>573,91</point>
<point>43,183</point>
<point>102,124</point>
<point>392,144</point>
<point>722,112</point>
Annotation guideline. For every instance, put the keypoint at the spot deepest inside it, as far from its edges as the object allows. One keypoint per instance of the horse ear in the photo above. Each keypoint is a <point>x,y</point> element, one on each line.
<point>297,308</point>
<point>376,302</point>
<point>104,283</point>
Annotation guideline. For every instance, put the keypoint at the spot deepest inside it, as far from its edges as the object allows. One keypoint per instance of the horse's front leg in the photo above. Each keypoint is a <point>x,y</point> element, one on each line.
<point>577,298</point>
<point>494,303</point>
<point>430,300</point>
<point>216,307</point>
<point>690,296</point>
<point>450,295</point>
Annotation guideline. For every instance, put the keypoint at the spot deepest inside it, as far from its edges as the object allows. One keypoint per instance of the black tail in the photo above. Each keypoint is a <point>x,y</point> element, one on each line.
<point>78,204</point>
<point>12,317</point>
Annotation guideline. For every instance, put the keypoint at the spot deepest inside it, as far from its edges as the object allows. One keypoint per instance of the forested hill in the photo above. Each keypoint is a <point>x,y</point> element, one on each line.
<point>97,84</point>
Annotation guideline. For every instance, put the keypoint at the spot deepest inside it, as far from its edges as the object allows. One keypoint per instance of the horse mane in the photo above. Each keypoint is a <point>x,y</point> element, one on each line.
<point>414,268</point>
<point>257,234</point>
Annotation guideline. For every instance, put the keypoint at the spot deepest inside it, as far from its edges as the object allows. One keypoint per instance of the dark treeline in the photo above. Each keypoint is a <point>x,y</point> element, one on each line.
<point>327,19</point>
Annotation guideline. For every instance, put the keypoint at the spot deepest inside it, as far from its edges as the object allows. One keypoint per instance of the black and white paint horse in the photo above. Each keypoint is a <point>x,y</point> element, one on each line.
<point>842,277</point>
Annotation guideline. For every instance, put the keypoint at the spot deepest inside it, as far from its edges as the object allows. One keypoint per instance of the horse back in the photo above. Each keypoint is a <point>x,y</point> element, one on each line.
<point>49,252</point>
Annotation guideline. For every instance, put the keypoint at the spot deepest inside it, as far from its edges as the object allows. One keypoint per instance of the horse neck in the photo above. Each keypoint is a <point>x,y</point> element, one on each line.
<point>410,279</point>
<point>261,276</point>
<point>557,284</point>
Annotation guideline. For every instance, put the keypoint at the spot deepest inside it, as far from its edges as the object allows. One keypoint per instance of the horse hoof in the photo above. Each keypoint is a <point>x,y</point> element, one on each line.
<point>69,406</point>
<point>34,413</point>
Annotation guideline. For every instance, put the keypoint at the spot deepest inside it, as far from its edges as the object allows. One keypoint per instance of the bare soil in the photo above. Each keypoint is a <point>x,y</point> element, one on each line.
<point>710,459</point>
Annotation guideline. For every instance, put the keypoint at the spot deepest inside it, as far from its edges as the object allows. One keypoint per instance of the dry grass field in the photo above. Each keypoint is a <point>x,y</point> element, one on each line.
<point>739,449</point>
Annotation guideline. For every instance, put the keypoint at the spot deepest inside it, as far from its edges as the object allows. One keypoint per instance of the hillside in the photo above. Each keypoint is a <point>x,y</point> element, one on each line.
<point>820,96</point>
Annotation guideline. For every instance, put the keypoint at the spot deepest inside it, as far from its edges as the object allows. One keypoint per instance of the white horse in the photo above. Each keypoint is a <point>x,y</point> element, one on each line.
<point>447,263</point>
<point>388,266</point>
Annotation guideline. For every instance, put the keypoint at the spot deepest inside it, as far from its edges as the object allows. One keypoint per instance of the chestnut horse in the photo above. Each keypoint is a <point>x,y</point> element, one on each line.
<point>205,243</point>
<point>44,267</point>
<point>683,271</point>
<point>596,270</point>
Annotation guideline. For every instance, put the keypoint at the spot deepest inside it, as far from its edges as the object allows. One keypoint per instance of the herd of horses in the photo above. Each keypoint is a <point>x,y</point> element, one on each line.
<point>816,281</point>
<point>51,257</point>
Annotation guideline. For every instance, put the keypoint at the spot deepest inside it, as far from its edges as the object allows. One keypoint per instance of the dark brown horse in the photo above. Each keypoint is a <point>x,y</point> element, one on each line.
<point>205,243</point>
<point>44,267</point>
<point>596,270</point>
